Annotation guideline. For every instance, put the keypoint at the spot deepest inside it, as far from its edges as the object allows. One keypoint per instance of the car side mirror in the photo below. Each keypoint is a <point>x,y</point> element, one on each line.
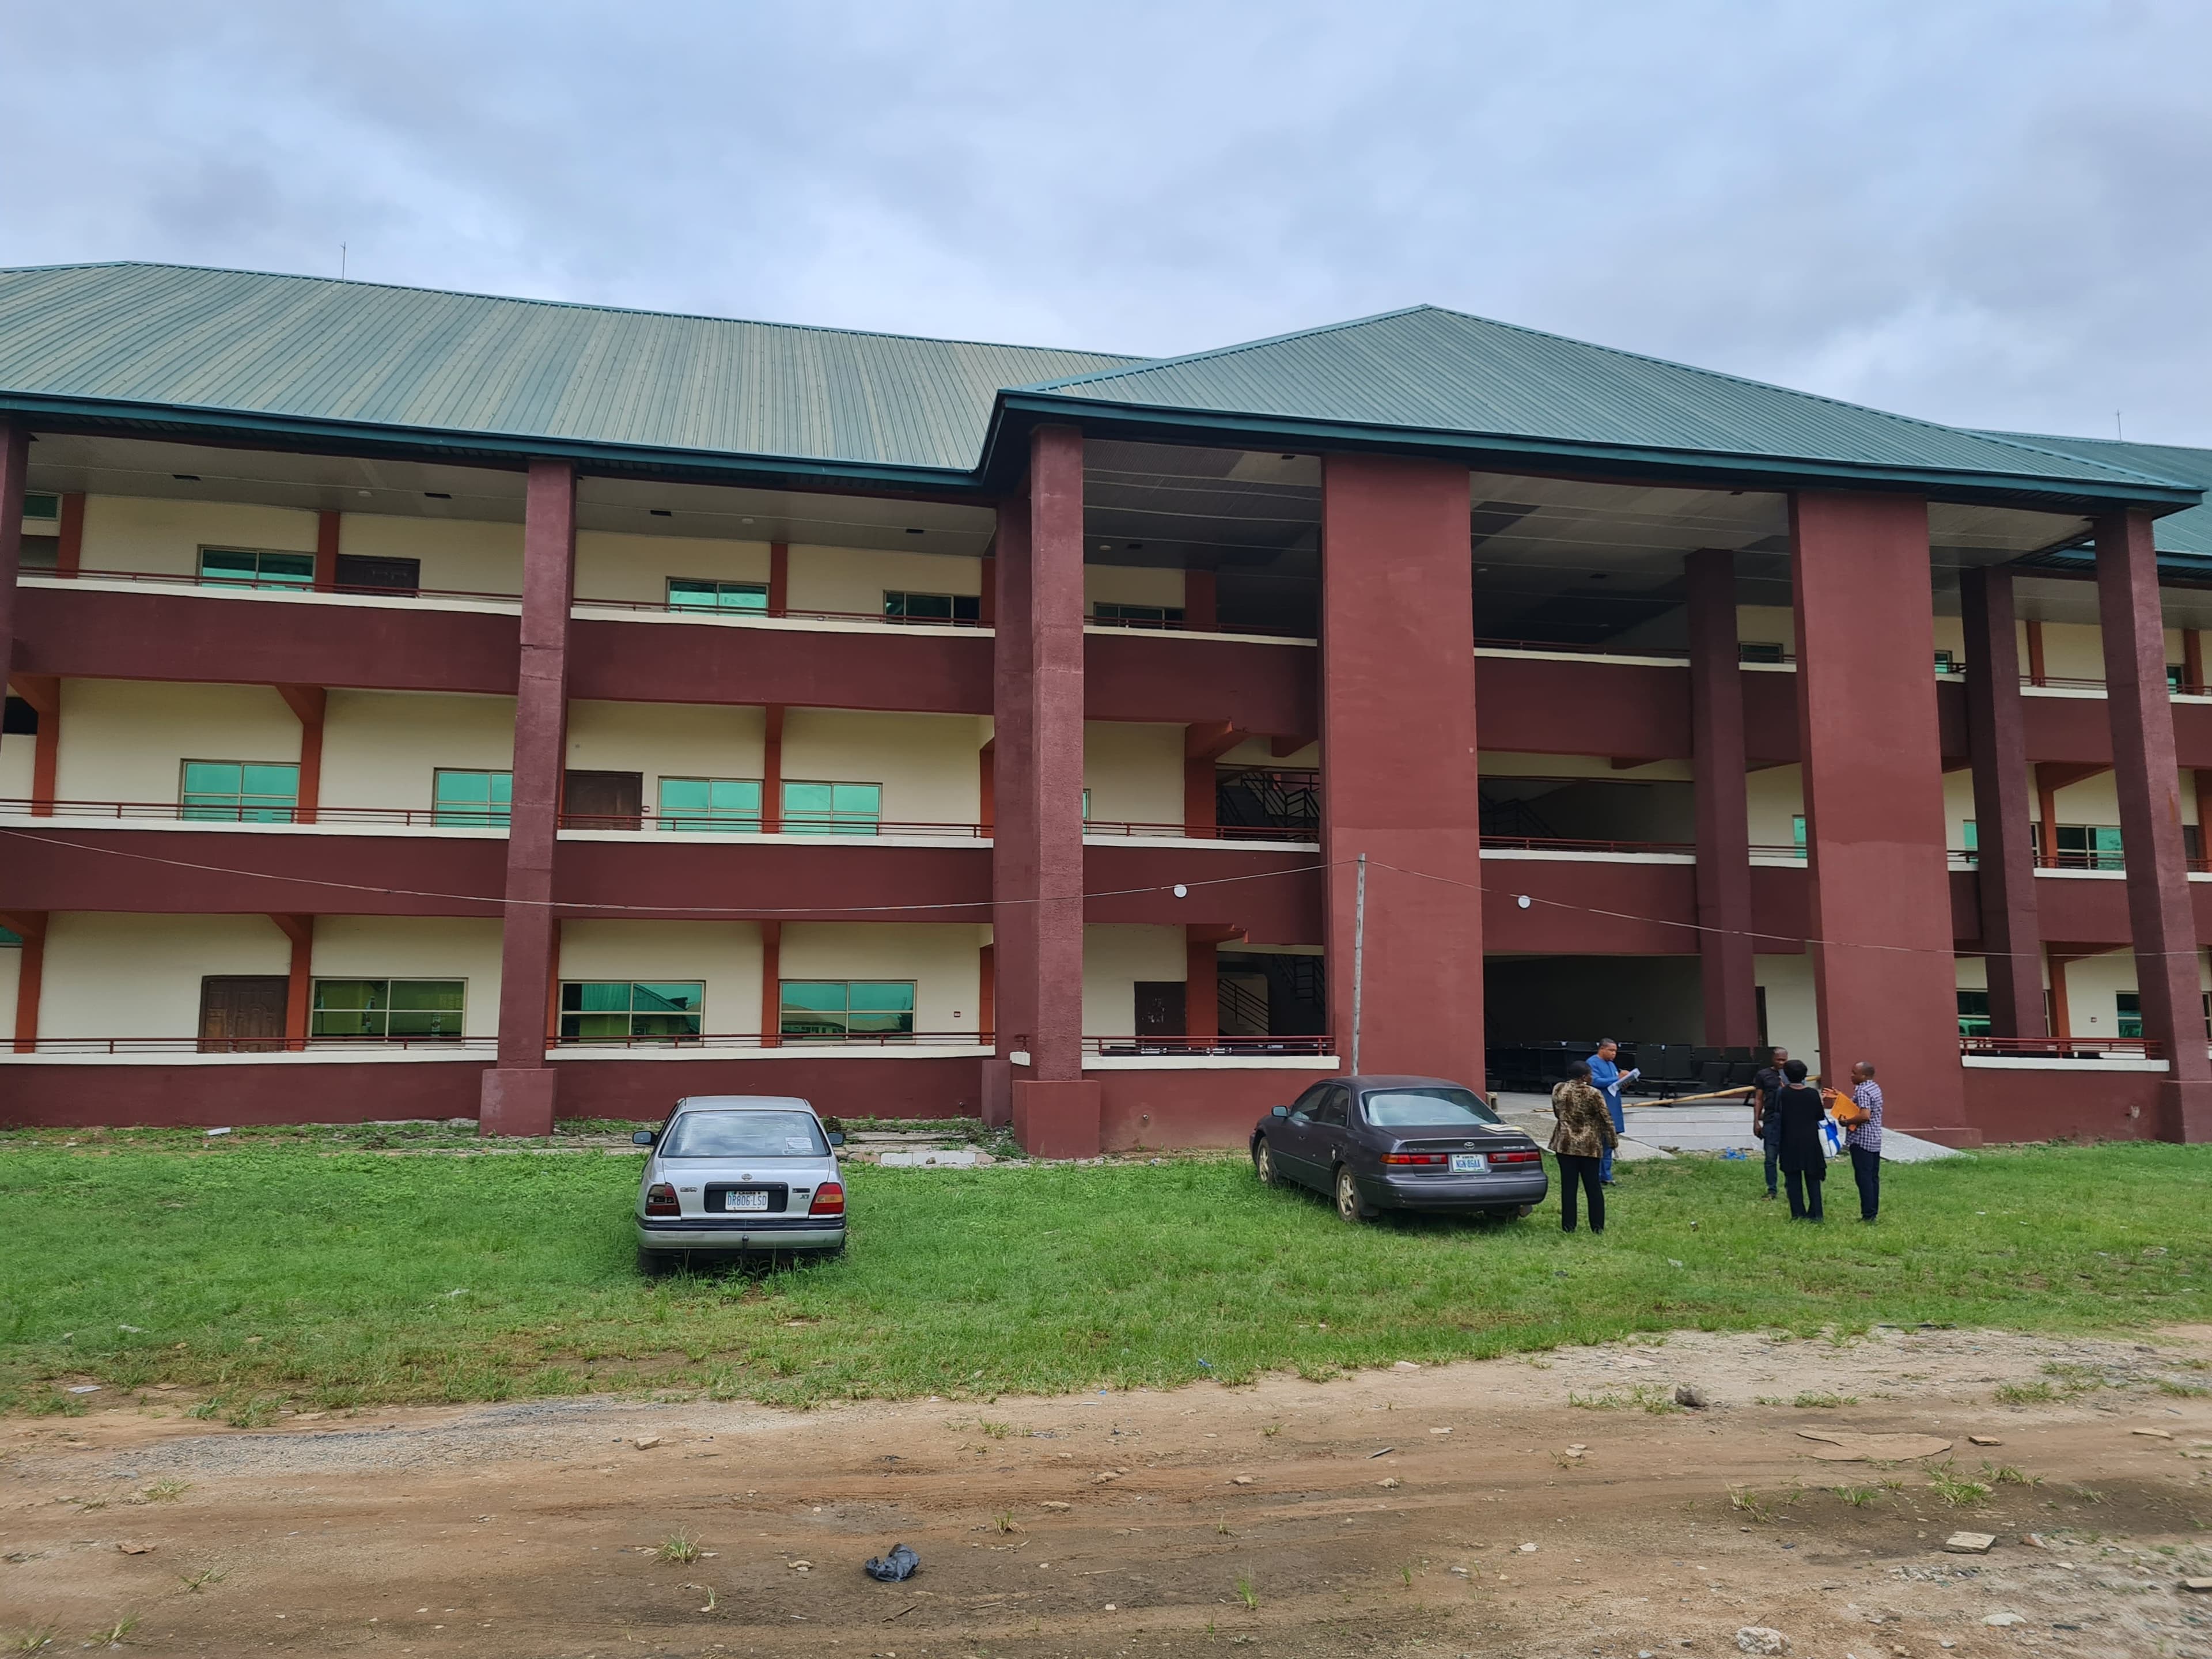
<point>1279,1111</point>
<point>643,1137</point>
<point>837,1137</point>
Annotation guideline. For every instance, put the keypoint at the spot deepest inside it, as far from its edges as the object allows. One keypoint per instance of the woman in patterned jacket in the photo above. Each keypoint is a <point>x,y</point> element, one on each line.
<point>1583,1135</point>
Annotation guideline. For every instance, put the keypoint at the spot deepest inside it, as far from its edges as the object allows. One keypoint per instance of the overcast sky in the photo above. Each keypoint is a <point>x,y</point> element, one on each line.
<point>1993,213</point>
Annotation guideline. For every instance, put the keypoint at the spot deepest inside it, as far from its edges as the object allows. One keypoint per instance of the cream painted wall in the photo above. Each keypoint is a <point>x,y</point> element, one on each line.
<point>1118,584</point>
<point>2093,986</point>
<point>164,537</point>
<point>941,958</point>
<point>1116,955</point>
<point>724,955</point>
<point>11,971</point>
<point>126,740</point>
<point>1767,624</point>
<point>2071,651</point>
<point>1777,795</point>
<point>1958,807</point>
<point>1972,973</point>
<point>926,763</point>
<point>379,748</point>
<point>664,739</point>
<point>1259,752</point>
<point>17,753</point>
<point>1951,635</point>
<point>1792,1020</point>
<point>112,975</point>
<point>1133,772</point>
<point>467,555</point>
<point>855,579</point>
<point>465,948</point>
<point>612,566</point>
<point>2092,800</point>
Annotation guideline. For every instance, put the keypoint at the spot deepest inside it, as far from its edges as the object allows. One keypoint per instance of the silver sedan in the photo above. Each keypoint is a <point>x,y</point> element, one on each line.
<point>736,1175</point>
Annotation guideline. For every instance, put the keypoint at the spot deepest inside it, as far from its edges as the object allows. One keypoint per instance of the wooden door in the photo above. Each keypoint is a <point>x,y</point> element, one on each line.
<point>1161,1008</point>
<point>242,1013</point>
<point>603,800</point>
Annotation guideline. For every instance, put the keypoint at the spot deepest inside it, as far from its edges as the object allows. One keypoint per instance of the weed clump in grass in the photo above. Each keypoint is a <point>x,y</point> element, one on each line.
<point>996,1430</point>
<point>195,1583</point>
<point>1003,1522</point>
<point>1643,1397</point>
<point>37,1640</point>
<point>114,1635</point>
<point>1745,1502</point>
<point>2005,1474</point>
<point>2026,1394</point>
<point>679,1548</point>
<point>1810,1401</point>
<point>1246,1594</point>
<point>1955,1489</point>
<point>165,1491</point>
<point>1857,1496</point>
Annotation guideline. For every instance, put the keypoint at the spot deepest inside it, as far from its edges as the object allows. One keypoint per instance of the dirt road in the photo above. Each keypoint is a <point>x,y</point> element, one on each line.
<point>1531,1506</point>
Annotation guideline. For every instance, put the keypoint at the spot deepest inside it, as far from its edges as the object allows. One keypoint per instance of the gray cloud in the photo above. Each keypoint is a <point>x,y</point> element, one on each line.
<point>1991,211</point>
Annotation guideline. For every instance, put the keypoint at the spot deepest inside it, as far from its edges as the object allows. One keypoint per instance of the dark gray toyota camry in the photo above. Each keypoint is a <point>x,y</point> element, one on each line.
<point>1420,1143</point>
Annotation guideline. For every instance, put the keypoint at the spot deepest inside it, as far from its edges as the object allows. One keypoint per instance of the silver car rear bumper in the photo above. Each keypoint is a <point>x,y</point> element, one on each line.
<point>1482,1192</point>
<point>700,1234</point>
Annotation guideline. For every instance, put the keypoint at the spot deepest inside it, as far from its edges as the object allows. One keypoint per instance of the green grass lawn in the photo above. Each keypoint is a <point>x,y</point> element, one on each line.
<point>263,1275</point>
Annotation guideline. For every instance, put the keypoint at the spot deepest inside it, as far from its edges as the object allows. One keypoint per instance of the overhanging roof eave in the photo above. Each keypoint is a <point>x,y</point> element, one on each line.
<point>466,447</point>
<point>1693,468</point>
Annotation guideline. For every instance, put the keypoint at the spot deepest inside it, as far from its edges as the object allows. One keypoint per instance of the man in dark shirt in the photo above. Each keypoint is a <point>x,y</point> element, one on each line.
<point>1764,1085</point>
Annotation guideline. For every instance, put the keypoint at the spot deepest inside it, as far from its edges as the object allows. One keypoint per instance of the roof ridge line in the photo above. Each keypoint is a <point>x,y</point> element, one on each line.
<point>566,305</point>
<point>1918,421</point>
<point>1141,365</point>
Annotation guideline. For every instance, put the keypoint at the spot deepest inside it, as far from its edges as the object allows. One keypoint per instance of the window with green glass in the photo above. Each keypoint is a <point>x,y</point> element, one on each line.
<point>471,800</point>
<point>10,939</point>
<point>1973,1013</point>
<point>36,505</point>
<point>426,1009</point>
<point>1157,615</point>
<point>2128,1009</point>
<point>597,1010</point>
<point>710,803</point>
<point>933,607</point>
<point>832,809</point>
<point>846,1007</point>
<point>1797,832</point>
<point>1946,662</point>
<point>2173,676</point>
<point>692,593</point>
<point>240,792</point>
<point>2089,846</point>
<point>232,566</point>
<point>1759,650</point>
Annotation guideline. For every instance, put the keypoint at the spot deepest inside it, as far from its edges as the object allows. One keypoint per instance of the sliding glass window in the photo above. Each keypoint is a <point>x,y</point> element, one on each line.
<point>424,1009</point>
<point>692,593</point>
<point>847,1007</point>
<point>609,1009</point>
<point>832,809</point>
<point>240,792</point>
<point>709,804</point>
<point>236,567</point>
<point>471,800</point>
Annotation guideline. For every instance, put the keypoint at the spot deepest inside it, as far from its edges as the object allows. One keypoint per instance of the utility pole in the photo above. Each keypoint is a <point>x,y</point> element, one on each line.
<point>1358,955</point>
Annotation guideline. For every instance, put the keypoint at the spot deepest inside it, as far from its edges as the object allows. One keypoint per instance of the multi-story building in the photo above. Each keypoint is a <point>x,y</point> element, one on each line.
<point>426,704</point>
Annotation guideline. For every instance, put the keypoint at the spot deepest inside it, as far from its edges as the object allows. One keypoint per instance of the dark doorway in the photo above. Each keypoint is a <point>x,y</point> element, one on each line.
<point>1161,1008</point>
<point>603,800</point>
<point>1268,994</point>
<point>242,1013</point>
<point>380,575</point>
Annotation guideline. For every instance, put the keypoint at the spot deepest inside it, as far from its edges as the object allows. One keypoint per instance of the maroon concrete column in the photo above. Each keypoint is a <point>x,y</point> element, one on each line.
<point>1885,981</point>
<point>2004,859</point>
<point>2149,786</point>
<point>1039,833</point>
<point>15,462</point>
<point>518,1091</point>
<point>1728,976</point>
<point>1013,803</point>
<point>1397,762</point>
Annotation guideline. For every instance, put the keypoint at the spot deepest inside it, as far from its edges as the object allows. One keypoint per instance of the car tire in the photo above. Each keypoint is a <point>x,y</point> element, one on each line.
<point>1263,1163</point>
<point>655,1264</point>
<point>1349,1205</point>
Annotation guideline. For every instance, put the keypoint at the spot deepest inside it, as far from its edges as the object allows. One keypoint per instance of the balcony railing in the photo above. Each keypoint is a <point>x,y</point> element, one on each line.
<point>1124,1046</point>
<point>737,613</point>
<point>240,584</point>
<point>175,813</point>
<point>698,823</point>
<point>771,1040</point>
<point>2046,1047</point>
<point>466,1045</point>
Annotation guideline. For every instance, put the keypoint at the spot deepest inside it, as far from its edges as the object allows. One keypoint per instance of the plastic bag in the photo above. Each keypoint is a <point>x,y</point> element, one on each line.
<point>1832,1138</point>
<point>889,1568</point>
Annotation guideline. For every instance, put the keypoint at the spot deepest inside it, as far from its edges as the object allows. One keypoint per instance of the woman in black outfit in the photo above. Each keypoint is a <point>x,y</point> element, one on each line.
<point>1798,1112</point>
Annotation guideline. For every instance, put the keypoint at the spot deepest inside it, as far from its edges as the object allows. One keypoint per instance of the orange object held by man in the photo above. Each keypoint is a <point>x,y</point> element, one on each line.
<point>1847,1112</point>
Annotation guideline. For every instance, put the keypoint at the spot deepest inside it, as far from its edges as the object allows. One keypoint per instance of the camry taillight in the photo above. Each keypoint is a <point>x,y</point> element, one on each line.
<point>1526,1154</point>
<point>660,1199</point>
<point>828,1200</point>
<point>1414,1158</point>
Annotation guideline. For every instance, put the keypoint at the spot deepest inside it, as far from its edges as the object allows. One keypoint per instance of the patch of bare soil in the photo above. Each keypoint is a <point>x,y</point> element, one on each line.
<point>1551,1505</point>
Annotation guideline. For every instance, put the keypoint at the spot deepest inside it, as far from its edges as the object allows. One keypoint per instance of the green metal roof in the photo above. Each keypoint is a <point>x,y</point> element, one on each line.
<point>1451,375</point>
<point>2189,531</point>
<point>310,349</point>
<point>316,361</point>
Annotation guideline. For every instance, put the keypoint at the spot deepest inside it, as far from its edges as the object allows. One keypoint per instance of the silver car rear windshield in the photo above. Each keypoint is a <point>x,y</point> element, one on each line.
<point>1426,1108</point>
<point>745,1135</point>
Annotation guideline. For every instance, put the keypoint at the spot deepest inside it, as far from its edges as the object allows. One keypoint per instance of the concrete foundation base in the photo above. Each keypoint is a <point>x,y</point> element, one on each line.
<point>1057,1120</point>
<point>517,1100</point>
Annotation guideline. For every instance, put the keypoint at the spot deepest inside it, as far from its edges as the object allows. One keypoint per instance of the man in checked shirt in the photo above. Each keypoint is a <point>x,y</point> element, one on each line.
<point>1864,1140</point>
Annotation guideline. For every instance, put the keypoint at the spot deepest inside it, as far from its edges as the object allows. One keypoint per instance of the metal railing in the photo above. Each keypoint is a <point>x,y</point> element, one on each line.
<point>1141,831</point>
<point>1563,648</point>
<point>243,585</point>
<point>274,1045</point>
<point>417,817</point>
<point>1123,1047</point>
<point>779,613</point>
<point>698,823</point>
<point>776,1040</point>
<point>1569,844</point>
<point>2049,1047</point>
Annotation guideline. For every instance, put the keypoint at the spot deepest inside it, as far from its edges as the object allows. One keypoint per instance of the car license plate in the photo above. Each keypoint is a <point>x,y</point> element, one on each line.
<point>745,1201</point>
<point>1470,1163</point>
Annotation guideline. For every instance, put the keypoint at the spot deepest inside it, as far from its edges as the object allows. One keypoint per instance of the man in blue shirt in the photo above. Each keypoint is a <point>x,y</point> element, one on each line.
<point>1606,1077</point>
